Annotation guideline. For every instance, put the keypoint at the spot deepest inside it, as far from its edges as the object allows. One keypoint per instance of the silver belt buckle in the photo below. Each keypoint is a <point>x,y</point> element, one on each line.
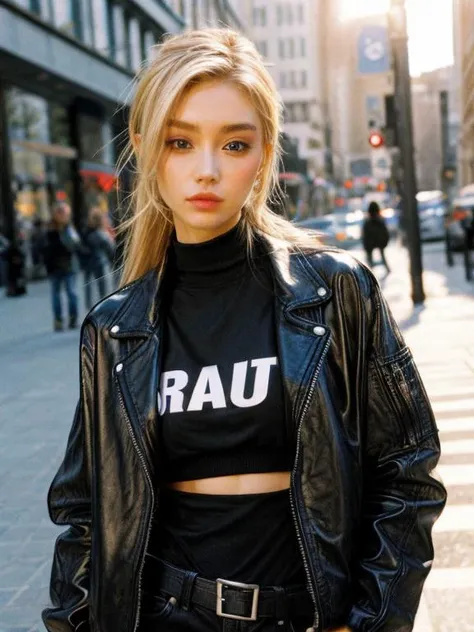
<point>224,583</point>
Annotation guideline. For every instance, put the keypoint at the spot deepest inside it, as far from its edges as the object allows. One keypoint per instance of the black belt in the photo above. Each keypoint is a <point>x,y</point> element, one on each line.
<point>232,600</point>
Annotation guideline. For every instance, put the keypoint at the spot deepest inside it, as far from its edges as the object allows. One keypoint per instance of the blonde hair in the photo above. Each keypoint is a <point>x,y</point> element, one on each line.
<point>183,61</point>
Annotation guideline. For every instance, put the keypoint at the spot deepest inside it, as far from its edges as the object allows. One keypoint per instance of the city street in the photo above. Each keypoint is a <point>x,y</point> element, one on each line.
<point>38,391</point>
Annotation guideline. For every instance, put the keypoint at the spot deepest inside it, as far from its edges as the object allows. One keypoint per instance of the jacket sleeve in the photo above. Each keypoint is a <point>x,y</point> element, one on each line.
<point>69,504</point>
<point>401,498</point>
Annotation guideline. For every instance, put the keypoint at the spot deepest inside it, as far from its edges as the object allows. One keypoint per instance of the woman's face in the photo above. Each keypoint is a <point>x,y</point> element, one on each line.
<point>214,147</point>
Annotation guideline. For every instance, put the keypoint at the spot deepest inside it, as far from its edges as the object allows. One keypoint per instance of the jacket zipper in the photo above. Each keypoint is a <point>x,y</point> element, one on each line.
<point>294,507</point>
<point>149,526</point>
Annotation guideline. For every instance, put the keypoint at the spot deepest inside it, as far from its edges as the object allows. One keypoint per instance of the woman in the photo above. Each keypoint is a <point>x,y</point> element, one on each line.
<point>375,235</point>
<point>98,253</point>
<point>252,447</point>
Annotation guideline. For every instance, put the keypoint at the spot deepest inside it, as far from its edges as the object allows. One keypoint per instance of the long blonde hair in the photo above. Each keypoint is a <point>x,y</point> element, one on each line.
<point>183,61</point>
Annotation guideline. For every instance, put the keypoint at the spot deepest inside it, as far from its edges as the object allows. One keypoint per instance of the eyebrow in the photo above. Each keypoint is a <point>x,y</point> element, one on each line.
<point>233,127</point>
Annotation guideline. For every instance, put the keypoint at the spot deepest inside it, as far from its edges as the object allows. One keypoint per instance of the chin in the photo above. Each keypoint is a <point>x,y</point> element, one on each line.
<point>203,223</point>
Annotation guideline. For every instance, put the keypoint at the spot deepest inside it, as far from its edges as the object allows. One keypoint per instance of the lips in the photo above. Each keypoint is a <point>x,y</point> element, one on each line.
<point>206,197</point>
<point>205,201</point>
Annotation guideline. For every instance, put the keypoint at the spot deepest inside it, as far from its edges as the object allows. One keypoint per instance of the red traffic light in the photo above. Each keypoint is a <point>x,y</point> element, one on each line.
<point>376,140</point>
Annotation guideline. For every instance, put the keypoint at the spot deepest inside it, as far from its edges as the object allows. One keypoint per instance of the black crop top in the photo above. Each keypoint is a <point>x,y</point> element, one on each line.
<point>221,397</point>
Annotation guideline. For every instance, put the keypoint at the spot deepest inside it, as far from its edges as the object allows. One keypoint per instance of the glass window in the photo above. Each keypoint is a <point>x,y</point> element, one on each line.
<point>291,48</point>
<point>143,50</point>
<point>303,47</point>
<point>281,48</point>
<point>292,79</point>
<point>300,13</point>
<point>279,15</point>
<point>263,48</point>
<point>91,138</point>
<point>283,80</point>
<point>127,28</point>
<point>255,14</point>
<point>289,13</point>
<point>87,23</point>
<point>119,35</point>
<point>101,26</point>
<point>27,117</point>
<point>263,16</point>
<point>135,44</point>
<point>59,125</point>
<point>304,79</point>
<point>67,17</point>
<point>46,10</point>
<point>25,4</point>
<point>150,42</point>
<point>35,6</point>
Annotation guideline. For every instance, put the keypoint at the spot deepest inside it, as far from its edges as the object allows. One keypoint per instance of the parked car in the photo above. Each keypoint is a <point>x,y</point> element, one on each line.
<point>432,211</point>
<point>325,227</point>
<point>336,229</point>
<point>460,215</point>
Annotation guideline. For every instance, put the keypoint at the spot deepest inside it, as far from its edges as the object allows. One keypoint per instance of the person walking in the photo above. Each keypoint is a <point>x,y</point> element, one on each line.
<point>375,235</point>
<point>253,447</point>
<point>98,252</point>
<point>61,245</point>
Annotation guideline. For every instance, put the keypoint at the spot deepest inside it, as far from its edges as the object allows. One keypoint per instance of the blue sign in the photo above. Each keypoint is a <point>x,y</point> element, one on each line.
<point>373,50</point>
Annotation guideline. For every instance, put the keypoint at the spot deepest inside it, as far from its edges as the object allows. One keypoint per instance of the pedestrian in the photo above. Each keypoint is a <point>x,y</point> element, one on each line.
<point>36,245</point>
<point>61,245</point>
<point>15,263</point>
<point>97,253</point>
<point>375,235</point>
<point>253,446</point>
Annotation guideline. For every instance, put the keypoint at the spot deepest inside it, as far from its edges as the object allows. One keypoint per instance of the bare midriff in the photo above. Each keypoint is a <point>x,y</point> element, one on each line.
<point>236,484</point>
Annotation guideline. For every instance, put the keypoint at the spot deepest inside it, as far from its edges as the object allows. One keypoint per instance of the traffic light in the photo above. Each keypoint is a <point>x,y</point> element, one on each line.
<point>376,140</point>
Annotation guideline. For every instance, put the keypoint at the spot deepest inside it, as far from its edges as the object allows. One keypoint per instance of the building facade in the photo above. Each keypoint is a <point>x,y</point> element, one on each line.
<point>212,13</point>
<point>356,95</point>
<point>289,35</point>
<point>464,70</point>
<point>436,126</point>
<point>66,74</point>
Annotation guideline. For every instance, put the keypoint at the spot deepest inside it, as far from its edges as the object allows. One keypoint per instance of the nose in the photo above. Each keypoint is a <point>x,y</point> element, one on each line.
<point>207,168</point>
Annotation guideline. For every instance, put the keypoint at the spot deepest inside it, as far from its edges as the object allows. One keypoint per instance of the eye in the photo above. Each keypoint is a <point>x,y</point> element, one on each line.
<point>178,143</point>
<point>237,146</point>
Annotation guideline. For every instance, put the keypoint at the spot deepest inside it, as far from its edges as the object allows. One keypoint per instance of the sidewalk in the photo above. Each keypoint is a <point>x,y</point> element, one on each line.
<point>38,391</point>
<point>441,336</point>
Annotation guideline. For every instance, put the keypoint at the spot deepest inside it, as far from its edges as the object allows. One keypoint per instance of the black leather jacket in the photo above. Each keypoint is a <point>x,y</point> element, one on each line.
<point>365,443</point>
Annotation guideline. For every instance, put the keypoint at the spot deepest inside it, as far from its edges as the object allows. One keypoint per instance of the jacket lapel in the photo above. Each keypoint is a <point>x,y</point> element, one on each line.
<point>302,334</point>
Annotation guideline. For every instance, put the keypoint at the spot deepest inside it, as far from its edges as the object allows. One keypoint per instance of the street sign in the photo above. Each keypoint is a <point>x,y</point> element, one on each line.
<point>373,50</point>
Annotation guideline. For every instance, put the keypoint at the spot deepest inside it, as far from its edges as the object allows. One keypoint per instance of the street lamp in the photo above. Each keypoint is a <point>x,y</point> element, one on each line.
<point>399,39</point>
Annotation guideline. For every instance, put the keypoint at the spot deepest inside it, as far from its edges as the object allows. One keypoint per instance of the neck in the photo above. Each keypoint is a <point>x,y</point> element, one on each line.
<point>196,235</point>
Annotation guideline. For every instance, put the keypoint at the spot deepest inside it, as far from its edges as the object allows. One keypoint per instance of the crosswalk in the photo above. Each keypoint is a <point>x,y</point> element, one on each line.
<point>448,598</point>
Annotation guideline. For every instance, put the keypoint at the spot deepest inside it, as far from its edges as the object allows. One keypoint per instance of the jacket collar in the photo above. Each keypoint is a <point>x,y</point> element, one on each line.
<point>298,284</point>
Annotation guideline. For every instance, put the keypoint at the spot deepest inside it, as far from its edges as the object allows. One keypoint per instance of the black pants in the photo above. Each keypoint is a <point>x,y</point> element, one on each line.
<point>174,613</point>
<point>370,258</point>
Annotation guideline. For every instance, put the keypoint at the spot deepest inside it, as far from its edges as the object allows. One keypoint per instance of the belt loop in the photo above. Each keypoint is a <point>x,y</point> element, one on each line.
<point>187,590</point>
<point>281,604</point>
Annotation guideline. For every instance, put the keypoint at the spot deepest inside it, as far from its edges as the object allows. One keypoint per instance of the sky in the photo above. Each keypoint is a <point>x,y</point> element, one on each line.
<point>430,29</point>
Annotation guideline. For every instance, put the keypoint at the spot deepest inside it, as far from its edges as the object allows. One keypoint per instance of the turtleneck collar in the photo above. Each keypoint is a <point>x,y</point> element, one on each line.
<point>209,262</point>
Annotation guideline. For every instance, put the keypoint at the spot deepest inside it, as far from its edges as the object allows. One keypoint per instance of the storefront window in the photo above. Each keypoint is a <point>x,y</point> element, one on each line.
<point>59,125</point>
<point>27,116</point>
<point>96,140</point>
<point>40,175</point>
